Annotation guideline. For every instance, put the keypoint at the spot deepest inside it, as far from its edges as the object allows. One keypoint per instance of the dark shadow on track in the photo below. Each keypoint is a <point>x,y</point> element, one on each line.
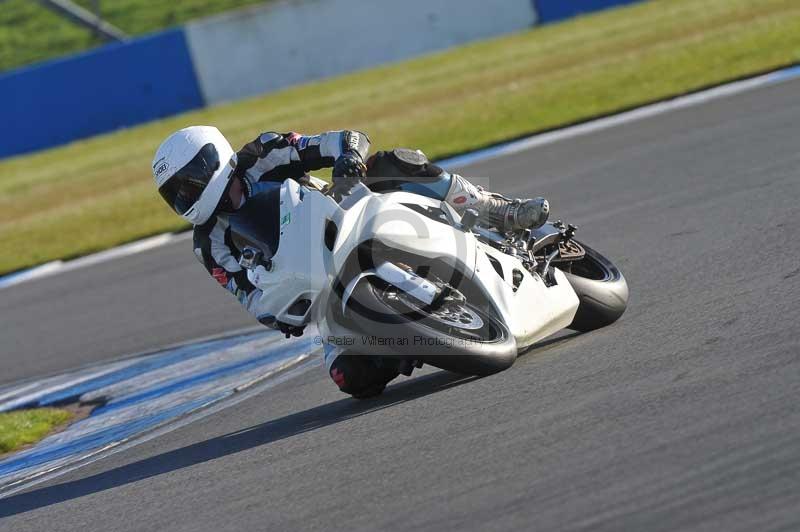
<point>256,436</point>
<point>553,341</point>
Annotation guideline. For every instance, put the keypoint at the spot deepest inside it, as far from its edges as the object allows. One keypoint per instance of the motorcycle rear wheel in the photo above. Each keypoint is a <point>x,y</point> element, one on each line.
<point>601,288</point>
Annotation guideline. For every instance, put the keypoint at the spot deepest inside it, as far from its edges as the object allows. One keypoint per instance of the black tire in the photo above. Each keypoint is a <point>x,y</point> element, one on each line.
<point>482,352</point>
<point>601,288</point>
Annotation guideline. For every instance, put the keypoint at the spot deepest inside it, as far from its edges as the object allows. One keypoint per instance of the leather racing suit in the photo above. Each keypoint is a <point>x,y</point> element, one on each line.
<point>270,157</point>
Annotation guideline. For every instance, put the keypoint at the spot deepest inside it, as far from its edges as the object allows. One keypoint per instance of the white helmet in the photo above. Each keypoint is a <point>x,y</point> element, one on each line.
<point>192,169</point>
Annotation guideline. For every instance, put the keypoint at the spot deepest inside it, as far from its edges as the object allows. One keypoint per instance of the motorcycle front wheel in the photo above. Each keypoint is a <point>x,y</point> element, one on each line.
<point>453,335</point>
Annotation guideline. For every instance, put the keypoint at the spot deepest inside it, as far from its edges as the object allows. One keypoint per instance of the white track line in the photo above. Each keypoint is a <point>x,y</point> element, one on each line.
<point>640,113</point>
<point>126,250</point>
<point>510,148</point>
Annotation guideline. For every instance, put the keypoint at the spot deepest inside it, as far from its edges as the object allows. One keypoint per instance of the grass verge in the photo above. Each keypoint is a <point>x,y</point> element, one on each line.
<point>25,427</point>
<point>98,193</point>
<point>30,32</point>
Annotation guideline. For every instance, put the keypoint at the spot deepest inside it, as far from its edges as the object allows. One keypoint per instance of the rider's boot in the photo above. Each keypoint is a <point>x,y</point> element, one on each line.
<point>363,376</point>
<point>495,210</point>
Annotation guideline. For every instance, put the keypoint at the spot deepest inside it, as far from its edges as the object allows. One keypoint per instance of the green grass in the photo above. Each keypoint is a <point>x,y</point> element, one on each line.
<point>24,427</point>
<point>98,193</point>
<point>31,33</point>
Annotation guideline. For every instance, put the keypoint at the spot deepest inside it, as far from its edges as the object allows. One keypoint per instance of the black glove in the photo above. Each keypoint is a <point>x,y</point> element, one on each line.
<point>269,320</point>
<point>349,164</point>
<point>290,330</point>
<point>348,170</point>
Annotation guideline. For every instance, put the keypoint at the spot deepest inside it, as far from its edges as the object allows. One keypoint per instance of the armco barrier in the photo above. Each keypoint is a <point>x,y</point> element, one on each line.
<point>554,10</point>
<point>114,86</point>
<point>250,51</point>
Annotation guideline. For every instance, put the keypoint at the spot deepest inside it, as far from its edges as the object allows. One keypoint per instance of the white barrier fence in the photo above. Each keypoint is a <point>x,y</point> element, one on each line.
<point>247,52</point>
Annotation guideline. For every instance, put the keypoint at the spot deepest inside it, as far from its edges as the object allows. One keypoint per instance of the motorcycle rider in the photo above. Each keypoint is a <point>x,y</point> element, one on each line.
<point>200,176</point>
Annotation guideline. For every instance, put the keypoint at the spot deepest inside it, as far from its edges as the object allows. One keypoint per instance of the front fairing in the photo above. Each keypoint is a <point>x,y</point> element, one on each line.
<point>395,221</point>
<point>301,266</point>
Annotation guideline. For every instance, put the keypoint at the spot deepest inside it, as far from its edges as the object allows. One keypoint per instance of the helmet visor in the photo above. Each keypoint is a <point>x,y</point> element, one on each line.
<point>184,188</point>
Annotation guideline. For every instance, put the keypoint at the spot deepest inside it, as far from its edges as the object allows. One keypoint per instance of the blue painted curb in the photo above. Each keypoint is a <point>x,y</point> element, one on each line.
<point>144,394</point>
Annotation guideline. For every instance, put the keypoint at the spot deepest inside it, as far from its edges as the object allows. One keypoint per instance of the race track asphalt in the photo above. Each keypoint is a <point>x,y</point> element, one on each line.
<point>682,416</point>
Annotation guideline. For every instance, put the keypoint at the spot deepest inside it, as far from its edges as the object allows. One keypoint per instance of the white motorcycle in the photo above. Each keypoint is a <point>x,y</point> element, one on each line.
<point>401,275</point>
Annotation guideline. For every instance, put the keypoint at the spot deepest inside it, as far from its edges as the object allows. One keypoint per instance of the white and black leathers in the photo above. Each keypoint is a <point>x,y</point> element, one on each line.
<point>270,157</point>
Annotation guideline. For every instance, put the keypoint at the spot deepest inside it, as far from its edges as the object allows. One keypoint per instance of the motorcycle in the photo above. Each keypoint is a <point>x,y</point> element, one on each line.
<point>400,275</point>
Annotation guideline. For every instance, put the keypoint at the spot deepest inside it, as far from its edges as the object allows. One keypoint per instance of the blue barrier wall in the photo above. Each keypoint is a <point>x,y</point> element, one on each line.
<point>108,88</point>
<point>144,79</point>
<point>553,10</point>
